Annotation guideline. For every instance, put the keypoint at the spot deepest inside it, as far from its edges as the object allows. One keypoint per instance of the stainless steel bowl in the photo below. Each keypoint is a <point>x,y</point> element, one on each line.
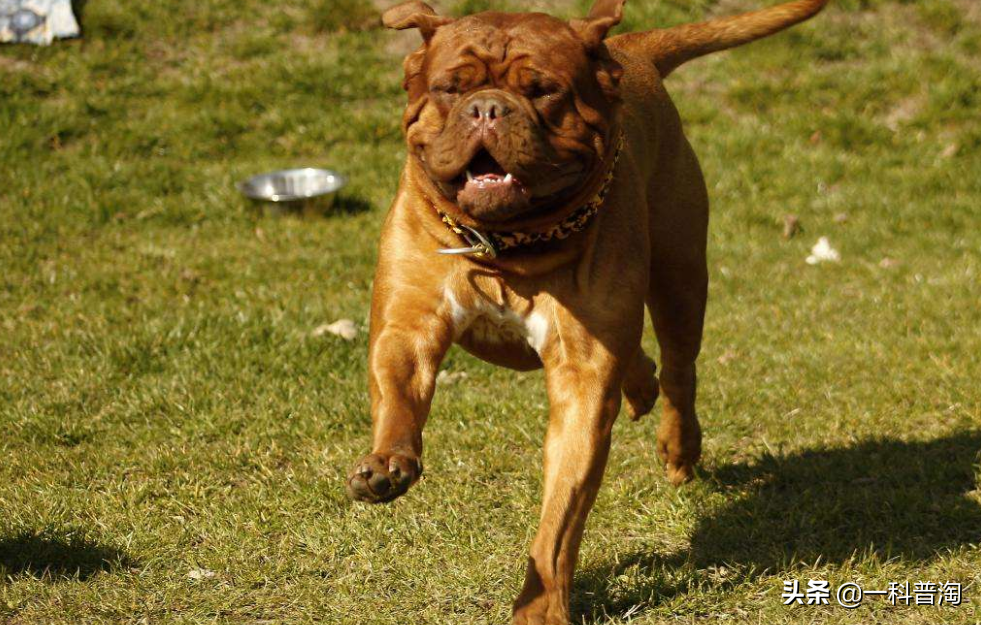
<point>307,190</point>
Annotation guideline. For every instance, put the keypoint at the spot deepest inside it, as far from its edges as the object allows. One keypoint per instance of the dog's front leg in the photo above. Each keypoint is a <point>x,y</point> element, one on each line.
<point>408,342</point>
<point>584,397</point>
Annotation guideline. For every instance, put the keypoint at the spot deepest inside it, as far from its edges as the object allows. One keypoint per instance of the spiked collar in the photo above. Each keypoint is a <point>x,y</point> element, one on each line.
<point>490,243</point>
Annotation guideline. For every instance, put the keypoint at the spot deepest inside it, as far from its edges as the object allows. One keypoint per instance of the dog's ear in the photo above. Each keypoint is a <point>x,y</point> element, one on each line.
<point>604,15</point>
<point>414,14</point>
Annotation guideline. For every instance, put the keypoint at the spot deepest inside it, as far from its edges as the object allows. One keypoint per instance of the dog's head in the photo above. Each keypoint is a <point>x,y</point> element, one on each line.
<point>509,114</point>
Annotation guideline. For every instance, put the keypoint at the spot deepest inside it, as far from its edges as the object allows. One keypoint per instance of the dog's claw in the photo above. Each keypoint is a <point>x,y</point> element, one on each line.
<point>382,477</point>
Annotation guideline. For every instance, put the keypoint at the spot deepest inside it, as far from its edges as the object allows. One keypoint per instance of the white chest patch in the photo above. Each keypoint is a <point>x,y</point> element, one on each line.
<point>488,323</point>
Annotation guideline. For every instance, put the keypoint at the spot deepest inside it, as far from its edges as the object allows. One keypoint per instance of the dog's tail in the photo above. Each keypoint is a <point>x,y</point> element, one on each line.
<point>670,47</point>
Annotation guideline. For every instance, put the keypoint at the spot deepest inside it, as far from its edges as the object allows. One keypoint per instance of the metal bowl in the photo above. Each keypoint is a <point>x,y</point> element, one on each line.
<point>306,191</point>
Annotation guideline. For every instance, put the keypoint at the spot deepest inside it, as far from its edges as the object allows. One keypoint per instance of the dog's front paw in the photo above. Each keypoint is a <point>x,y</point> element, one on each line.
<point>382,477</point>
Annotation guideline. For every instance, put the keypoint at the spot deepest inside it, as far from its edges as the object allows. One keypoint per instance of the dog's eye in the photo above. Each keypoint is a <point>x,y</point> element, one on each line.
<point>446,88</point>
<point>452,83</point>
<point>542,89</point>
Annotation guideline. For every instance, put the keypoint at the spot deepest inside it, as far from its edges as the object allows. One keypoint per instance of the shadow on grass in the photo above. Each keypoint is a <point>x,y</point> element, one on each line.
<point>57,557</point>
<point>343,206</point>
<point>887,498</point>
<point>349,205</point>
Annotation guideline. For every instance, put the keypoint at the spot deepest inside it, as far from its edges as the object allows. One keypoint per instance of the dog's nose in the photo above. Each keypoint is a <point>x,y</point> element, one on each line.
<point>488,108</point>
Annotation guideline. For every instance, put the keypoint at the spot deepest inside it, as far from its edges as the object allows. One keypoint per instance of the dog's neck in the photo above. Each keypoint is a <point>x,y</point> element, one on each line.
<point>487,241</point>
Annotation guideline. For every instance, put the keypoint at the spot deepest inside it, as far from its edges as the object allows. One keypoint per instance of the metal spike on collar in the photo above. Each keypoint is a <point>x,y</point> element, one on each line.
<point>481,247</point>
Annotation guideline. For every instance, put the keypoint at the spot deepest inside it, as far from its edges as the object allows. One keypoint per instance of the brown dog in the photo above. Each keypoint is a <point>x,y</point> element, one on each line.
<point>547,163</point>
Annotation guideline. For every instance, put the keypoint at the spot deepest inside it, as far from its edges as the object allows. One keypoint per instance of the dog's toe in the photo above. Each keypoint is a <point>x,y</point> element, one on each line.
<point>380,477</point>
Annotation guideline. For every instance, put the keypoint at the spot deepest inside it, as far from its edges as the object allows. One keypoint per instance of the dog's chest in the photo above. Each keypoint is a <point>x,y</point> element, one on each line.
<point>480,321</point>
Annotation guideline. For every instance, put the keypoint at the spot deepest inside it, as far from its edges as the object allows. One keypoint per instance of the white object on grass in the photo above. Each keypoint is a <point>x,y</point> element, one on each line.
<point>344,328</point>
<point>199,574</point>
<point>450,377</point>
<point>36,21</point>
<point>822,252</point>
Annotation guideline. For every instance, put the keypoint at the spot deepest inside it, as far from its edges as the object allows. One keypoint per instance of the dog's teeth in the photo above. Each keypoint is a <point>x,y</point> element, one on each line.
<point>508,178</point>
<point>469,176</point>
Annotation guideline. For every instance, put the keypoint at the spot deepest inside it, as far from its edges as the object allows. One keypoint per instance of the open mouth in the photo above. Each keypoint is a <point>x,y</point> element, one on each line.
<point>487,191</point>
<point>484,172</point>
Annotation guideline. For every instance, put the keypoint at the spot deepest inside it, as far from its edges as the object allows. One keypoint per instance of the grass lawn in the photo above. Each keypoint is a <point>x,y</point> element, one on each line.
<point>174,438</point>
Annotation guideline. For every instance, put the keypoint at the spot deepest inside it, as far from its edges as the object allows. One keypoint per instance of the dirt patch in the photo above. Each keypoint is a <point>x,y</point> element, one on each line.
<point>971,10</point>
<point>15,65</point>
<point>304,43</point>
<point>904,111</point>
<point>438,5</point>
<point>401,43</point>
<point>732,7</point>
<point>552,7</point>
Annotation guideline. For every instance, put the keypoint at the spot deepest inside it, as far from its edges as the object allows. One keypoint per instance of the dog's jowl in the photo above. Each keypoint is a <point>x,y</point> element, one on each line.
<point>548,196</point>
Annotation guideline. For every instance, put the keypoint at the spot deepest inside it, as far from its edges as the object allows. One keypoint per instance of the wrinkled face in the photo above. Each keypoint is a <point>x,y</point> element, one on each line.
<point>509,113</point>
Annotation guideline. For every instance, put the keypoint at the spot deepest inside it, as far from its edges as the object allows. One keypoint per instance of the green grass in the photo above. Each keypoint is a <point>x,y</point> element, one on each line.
<point>164,408</point>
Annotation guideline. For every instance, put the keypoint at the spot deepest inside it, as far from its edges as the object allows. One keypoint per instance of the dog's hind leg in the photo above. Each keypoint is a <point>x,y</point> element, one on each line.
<point>679,436</point>
<point>677,308</point>
<point>676,299</point>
